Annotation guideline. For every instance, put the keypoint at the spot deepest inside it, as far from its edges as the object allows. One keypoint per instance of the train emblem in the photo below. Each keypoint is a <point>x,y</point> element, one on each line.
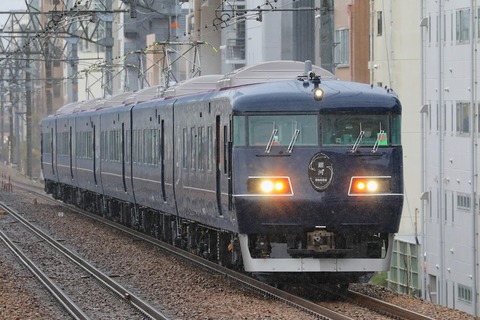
<point>320,171</point>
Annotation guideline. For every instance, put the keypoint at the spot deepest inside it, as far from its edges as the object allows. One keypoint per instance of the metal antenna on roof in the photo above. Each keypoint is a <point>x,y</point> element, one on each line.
<point>308,67</point>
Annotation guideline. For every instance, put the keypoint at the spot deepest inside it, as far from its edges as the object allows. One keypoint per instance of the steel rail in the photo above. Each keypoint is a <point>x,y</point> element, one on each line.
<point>287,298</point>
<point>73,309</point>
<point>388,308</point>
<point>105,280</point>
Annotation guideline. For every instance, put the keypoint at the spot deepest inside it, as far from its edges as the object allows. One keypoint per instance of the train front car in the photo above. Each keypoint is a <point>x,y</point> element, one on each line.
<point>318,181</point>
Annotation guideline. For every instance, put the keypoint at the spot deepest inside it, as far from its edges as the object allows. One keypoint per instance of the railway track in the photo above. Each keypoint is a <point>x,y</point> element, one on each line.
<point>59,269</point>
<point>385,309</point>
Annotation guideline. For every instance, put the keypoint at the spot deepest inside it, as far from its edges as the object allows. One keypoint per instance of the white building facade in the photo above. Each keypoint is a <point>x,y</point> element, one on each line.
<point>450,115</point>
<point>395,62</point>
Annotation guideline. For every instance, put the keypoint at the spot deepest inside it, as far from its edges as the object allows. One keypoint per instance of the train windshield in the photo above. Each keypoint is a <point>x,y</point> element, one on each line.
<point>280,130</point>
<point>367,129</point>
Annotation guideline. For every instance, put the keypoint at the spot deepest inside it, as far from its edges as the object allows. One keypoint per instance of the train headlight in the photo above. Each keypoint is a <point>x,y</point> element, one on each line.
<point>318,94</point>
<point>269,185</point>
<point>361,186</point>
<point>266,186</point>
<point>372,186</point>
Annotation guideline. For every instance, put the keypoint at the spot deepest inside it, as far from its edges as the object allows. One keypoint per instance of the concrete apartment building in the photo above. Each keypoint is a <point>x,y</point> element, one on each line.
<point>351,47</point>
<point>395,60</point>
<point>370,38</point>
<point>450,121</point>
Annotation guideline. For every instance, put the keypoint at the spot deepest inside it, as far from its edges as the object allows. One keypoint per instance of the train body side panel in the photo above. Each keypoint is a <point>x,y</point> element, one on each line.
<point>65,149</point>
<point>87,126</point>
<point>48,149</point>
<point>114,125</point>
<point>153,171</point>
<point>202,131</point>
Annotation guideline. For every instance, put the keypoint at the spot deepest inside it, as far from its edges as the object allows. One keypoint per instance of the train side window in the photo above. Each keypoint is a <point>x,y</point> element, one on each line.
<point>239,131</point>
<point>396,130</point>
<point>200,148</point>
<point>149,141</point>
<point>155,147</point>
<point>209,148</point>
<point>139,144</point>
<point>89,145</point>
<point>225,149</point>
<point>103,143</point>
<point>193,147</point>
<point>127,146</point>
<point>46,143</point>
<point>184,149</point>
<point>134,147</point>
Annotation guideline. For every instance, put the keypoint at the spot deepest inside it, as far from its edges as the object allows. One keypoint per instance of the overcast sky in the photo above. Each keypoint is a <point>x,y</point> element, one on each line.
<point>9,5</point>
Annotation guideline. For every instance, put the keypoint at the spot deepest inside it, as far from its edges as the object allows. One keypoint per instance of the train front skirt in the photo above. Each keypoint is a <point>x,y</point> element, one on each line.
<point>314,264</point>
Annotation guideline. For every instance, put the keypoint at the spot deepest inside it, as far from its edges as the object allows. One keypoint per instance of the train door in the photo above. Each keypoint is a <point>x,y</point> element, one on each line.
<point>161,135</point>
<point>70,151</point>
<point>94,154</point>
<point>97,163</point>
<point>229,146</point>
<point>218,172</point>
<point>123,158</point>
<point>223,166</point>
<point>52,149</point>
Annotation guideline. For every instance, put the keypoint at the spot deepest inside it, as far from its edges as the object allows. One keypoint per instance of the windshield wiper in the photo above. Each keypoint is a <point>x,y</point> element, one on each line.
<point>381,135</point>
<point>270,141</point>
<point>292,142</point>
<point>357,142</point>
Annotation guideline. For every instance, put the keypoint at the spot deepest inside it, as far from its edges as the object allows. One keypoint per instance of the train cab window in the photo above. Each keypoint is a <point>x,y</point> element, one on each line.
<point>239,136</point>
<point>258,130</point>
<point>368,129</point>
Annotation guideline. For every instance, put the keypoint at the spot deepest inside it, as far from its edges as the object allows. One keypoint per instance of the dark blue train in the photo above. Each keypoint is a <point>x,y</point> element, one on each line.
<point>286,179</point>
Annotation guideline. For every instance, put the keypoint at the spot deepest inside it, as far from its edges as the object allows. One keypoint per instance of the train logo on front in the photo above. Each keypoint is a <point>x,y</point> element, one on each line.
<point>320,171</point>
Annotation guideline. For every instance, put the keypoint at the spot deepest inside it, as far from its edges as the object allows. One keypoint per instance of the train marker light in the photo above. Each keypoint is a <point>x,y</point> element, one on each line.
<point>361,185</point>
<point>269,185</point>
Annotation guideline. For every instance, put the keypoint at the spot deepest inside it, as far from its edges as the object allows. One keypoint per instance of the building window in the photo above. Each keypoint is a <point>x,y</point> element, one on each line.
<point>463,25</point>
<point>478,116</point>
<point>342,46</point>
<point>464,293</point>
<point>463,201</point>
<point>429,29</point>
<point>463,117</point>
<point>379,23</point>
<point>478,23</point>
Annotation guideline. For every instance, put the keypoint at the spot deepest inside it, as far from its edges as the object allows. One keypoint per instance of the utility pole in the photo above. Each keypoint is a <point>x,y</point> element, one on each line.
<point>2,119</point>
<point>28,111</point>
<point>108,42</point>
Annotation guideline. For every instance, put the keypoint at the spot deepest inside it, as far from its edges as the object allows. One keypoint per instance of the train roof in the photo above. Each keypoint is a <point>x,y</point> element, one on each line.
<point>271,71</point>
<point>145,94</point>
<point>296,96</point>
<point>194,85</point>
